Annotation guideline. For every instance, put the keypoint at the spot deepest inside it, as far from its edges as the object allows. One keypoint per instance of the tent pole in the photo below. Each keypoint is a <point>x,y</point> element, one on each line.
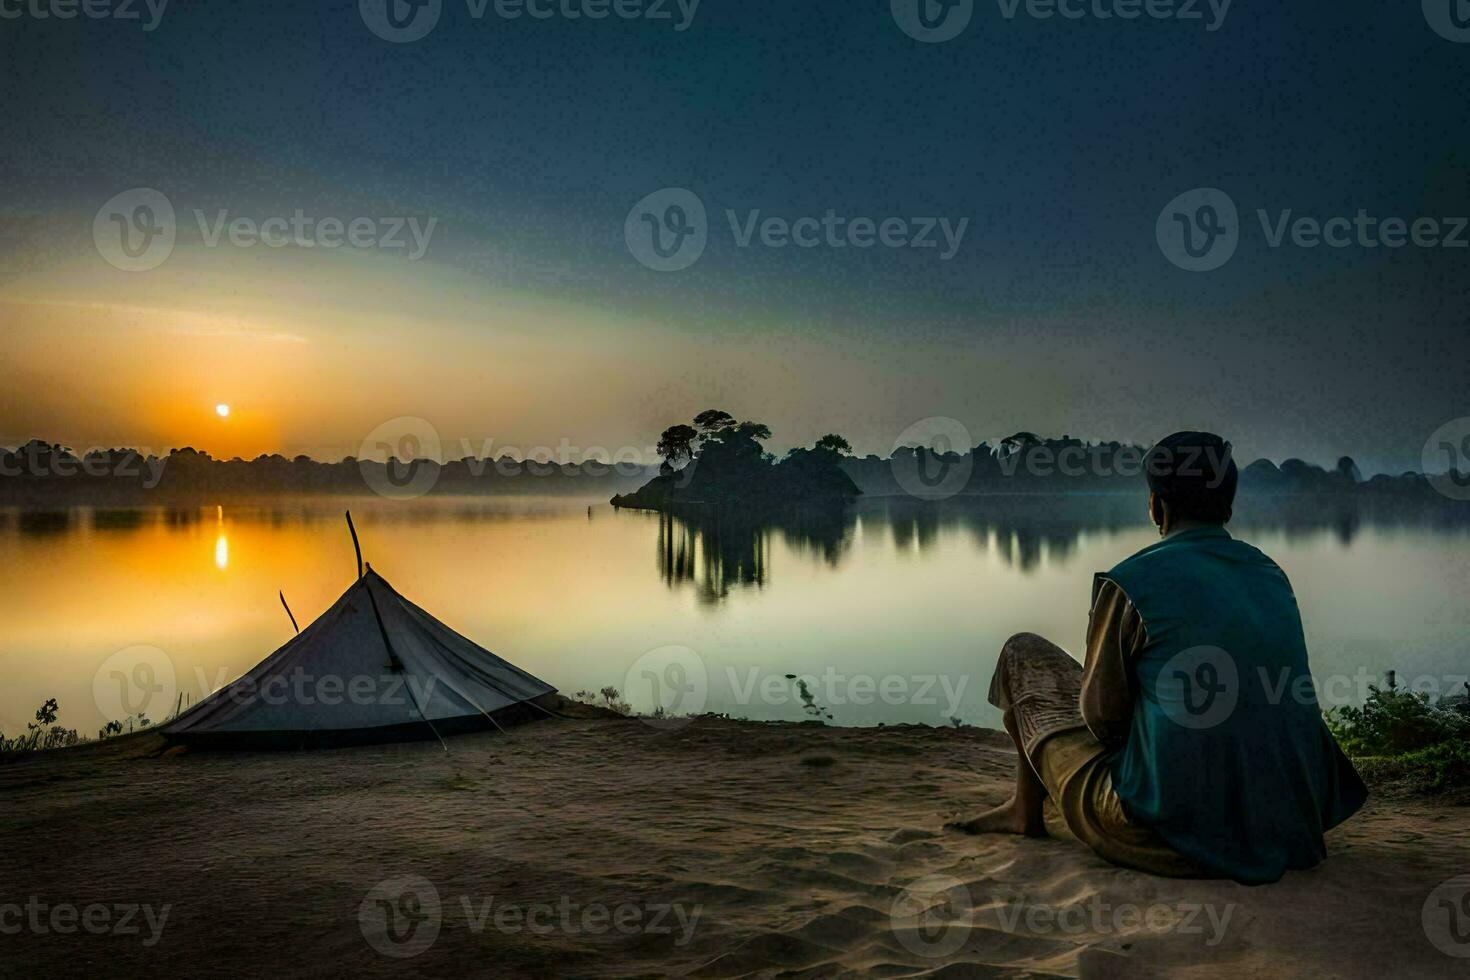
<point>355,546</point>
<point>394,664</point>
<point>288,612</point>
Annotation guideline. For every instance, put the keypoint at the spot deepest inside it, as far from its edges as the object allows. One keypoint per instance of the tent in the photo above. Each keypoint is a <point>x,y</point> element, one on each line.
<point>372,668</point>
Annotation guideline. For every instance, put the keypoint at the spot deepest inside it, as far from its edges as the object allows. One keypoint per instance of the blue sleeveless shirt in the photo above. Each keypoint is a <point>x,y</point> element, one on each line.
<point>1228,757</point>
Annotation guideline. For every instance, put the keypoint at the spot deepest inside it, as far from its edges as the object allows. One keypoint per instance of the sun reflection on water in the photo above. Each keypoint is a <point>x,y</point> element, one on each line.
<point>221,543</point>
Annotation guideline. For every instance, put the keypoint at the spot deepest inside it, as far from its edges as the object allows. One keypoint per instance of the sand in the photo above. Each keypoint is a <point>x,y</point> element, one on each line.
<point>611,848</point>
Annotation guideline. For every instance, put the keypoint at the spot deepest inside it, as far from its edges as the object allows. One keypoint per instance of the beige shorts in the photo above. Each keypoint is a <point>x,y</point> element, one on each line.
<point>1041,686</point>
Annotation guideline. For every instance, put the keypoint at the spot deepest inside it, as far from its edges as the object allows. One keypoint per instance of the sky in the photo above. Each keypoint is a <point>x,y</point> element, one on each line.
<point>531,153</point>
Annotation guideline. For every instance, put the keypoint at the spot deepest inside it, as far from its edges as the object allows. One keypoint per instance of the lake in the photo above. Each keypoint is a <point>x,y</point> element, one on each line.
<point>893,611</point>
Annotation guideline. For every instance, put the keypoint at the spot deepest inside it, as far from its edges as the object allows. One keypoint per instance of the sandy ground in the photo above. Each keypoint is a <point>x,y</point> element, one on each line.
<point>592,848</point>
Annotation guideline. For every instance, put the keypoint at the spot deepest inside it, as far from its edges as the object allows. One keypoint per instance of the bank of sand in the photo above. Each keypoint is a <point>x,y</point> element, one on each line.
<point>788,849</point>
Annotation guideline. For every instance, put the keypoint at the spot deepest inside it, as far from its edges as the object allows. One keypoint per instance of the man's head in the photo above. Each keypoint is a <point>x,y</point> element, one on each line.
<point>1191,480</point>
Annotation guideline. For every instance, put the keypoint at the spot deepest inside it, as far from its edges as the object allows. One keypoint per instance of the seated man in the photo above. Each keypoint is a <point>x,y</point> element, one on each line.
<point>1191,743</point>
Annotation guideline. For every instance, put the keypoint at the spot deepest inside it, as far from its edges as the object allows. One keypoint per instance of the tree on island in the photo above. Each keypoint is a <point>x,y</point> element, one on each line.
<point>728,465</point>
<point>676,443</point>
<point>713,420</point>
<point>834,444</point>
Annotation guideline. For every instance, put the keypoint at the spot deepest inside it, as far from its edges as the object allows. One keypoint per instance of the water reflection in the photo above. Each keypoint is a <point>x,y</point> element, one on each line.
<point>711,554</point>
<point>44,522</point>
<point>574,595</point>
<point>221,543</point>
<point>714,550</point>
<point>129,519</point>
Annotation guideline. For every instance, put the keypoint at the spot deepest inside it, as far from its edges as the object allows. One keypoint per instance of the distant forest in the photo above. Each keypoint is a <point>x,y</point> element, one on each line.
<point>41,472</point>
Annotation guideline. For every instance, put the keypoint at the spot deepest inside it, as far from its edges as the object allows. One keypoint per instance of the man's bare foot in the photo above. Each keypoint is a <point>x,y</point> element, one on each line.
<point>1005,819</point>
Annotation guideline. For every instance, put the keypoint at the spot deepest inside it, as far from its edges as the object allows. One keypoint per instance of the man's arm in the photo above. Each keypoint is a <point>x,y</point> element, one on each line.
<point>1115,633</point>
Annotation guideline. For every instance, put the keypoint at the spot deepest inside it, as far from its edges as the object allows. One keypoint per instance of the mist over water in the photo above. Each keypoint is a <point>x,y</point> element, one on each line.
<point>894,609</point>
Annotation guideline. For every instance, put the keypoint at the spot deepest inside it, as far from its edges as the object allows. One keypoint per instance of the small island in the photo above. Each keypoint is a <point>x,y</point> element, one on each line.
<point>719,461</point>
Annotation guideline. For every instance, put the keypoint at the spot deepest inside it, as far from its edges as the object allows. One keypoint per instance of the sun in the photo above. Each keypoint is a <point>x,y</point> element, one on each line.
<point>222,410</point>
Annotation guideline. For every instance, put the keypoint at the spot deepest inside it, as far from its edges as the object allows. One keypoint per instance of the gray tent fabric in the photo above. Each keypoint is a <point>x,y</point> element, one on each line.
<point>373,667</point>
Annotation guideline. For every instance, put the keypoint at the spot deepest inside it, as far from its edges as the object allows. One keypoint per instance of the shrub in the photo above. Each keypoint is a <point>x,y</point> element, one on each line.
<point>41,734</point>
<point>608,698</point>
<point>1401,737</point>
<point>1394,721</point>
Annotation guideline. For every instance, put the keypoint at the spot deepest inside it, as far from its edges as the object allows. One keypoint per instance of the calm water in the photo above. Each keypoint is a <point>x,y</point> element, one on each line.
<point>896,609</point>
